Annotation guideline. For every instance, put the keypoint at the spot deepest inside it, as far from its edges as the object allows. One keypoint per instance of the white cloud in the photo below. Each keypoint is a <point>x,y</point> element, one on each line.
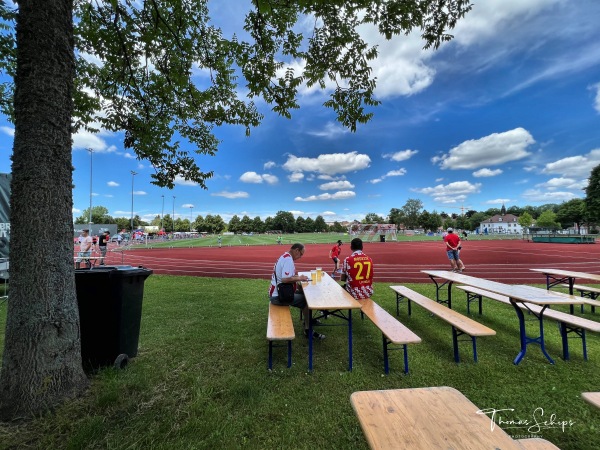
<point>329,164</point>
<point>112,184</point>
<point>596,87</point>
<point>492,150</point>
<point>450,193</point>
<point>328,213</point>
<point>253,177</point>
<point>341,195</point>
<point>336,185</point>
<point>391,173</point>
<point>575,166</point>
<point>84,140</point>
<point>269,165</point>
<point>563,183</point>
<point>536,195</point>
<point>187,205</point>
<point>296,177</point>
<point>498,201</point>
<point>8,130</point>
<point>180,181</point>
<point>401,155</point>
<point>487,173</point>
<point>226,194</point>
<point>140,193</point>
<point>331,130</point>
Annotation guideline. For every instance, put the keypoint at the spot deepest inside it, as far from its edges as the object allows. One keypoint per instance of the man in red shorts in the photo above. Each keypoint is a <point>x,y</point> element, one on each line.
<point>357,272</point>
<point>333,254</point>
<point>453,246</point>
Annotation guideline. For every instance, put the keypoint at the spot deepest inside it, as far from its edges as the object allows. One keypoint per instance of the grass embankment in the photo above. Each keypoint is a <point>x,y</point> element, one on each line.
<point>200,379</point>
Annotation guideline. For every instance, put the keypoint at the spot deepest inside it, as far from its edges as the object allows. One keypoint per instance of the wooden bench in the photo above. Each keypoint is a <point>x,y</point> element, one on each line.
<point>593,398</point>
<point>568,323</point>
<point>536,444</point>
<point>588,293</point>
<point>392,331</point>
<point>280,327</point>
<point>461,325</point>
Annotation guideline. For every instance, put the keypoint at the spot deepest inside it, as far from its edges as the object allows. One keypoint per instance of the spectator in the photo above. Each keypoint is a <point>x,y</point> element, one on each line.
<point>85,249</point>
<point>357,272</point>
<point>102,243</point>
<point>453,247</point>
<point>333,254</point>
<point>285,272</point>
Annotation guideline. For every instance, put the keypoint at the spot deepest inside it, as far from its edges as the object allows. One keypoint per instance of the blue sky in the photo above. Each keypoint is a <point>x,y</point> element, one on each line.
<point>506,113</point>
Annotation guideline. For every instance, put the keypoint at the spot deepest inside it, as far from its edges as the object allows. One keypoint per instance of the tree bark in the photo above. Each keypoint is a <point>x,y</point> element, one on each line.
<point>41,365</point>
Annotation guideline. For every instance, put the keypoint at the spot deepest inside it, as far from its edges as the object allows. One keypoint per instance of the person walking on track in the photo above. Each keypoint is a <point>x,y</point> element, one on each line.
<point>333,254</point>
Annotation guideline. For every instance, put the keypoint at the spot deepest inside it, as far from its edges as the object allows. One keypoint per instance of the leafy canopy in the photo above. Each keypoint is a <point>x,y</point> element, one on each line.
<point>163,74</point>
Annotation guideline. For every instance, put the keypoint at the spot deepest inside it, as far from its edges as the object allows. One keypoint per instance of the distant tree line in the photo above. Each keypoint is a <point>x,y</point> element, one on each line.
<point>412,215</point>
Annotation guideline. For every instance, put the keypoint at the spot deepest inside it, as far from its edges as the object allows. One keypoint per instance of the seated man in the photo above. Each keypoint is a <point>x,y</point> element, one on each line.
<point>357,272</point>
<point>285,272</point>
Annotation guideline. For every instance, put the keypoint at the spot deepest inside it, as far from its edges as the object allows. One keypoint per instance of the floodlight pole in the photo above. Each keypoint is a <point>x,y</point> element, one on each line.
<point>162,213</point>
<point>173,214</point>
<point>133,174</point>
<point>191,207</point>
<point>91,153</point>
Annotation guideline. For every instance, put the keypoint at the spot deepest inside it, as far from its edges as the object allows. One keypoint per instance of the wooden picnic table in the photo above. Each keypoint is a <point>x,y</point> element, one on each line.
<point>517,294</point>
<point>558,276</point>
<point>426,418</point>
<point>329,298</point>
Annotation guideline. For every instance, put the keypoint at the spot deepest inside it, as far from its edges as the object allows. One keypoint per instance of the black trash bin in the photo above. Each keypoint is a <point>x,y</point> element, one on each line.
<point>382,238</point>
<point>110,312</point>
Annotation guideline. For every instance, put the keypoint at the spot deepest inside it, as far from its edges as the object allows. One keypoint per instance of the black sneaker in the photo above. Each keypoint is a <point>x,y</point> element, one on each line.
<point>315,335</point>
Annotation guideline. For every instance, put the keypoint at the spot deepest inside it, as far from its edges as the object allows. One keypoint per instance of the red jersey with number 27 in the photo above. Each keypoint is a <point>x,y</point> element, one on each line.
<point>358,268</point>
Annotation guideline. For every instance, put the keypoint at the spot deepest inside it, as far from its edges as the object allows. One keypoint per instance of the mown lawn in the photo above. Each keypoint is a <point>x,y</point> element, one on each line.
<point>200,379</point>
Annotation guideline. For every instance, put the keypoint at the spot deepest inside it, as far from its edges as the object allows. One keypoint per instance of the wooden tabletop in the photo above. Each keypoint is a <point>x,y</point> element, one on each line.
<point>592,398</point>
<point>327,294</point>
<point>520,293</point>
<point>426,418</point>
<point>569,274</point>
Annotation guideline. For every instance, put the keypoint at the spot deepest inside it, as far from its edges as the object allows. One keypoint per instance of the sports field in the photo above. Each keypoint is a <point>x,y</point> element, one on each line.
<point>505,260</point>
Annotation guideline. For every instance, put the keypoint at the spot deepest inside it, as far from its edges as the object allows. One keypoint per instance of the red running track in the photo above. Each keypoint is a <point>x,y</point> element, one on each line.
<point>505,261</point>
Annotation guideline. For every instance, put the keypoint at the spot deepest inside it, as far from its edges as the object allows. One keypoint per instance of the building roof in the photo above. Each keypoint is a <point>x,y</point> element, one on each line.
<point>500,218</point>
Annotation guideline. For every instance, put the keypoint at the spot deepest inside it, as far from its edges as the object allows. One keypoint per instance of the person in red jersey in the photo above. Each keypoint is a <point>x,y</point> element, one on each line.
<point>357,272</point>
<point>333,254</point>
<point>453,247</point>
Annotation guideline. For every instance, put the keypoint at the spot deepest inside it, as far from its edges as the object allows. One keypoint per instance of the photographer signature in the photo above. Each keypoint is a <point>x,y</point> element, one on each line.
<point>534,425</point>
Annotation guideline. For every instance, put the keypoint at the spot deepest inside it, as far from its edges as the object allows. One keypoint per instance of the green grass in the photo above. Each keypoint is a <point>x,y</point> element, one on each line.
<point>200,379</point>
<point>306,238</point>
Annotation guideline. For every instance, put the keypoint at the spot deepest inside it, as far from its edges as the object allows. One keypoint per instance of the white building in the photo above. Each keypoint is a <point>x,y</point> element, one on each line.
<point>501,223</point>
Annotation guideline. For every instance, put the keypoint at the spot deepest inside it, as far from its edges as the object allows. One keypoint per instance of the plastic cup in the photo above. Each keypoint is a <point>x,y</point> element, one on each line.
<point>319,273</point>
<point>313,276</point>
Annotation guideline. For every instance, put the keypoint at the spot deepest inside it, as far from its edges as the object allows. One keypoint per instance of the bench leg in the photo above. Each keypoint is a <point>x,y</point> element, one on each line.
<point>455,344</point>
<point>472,298</point>
<point>386,364</point>
<point>564,332</point>
<point>289,353</point>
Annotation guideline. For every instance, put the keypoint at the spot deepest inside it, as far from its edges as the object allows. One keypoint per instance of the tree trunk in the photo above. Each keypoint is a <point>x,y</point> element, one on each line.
<point>41,366</point>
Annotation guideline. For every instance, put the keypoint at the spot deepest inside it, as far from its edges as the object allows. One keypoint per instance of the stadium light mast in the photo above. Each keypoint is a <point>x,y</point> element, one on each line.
<point>173,214</point>
<point>91,153</point>
<point>162,213</point>
<point>191,207</point>
<point>133,174</point>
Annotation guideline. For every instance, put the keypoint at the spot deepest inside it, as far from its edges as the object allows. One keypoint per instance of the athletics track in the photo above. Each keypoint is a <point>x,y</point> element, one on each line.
<point>505,261</point>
